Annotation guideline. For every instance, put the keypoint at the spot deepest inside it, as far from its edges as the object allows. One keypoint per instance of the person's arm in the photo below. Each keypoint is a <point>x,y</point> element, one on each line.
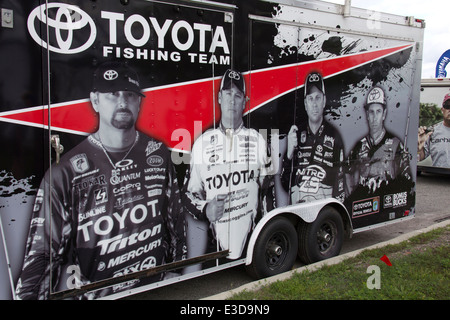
<point>351,171</point>
<point>175,217</point>
<point>292,142</point>
<point>194,194</point>
<point>422,139</point>
<point>339,187</point>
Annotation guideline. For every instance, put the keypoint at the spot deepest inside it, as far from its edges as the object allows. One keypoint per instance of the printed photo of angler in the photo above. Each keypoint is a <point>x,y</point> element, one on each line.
<point>107,208</point>
<point>312,165</point>
<point>229,170</point>
<point>379,157</point>
<point>378,168</point>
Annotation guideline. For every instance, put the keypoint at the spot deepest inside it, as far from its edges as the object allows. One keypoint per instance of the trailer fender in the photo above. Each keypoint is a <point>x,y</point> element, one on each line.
<point>307,212</point>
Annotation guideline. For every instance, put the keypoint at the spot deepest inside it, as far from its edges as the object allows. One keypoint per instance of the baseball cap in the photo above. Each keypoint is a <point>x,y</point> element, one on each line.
<point>314,79</point>
<point>446,103</point>
<point>376,95</point>
<point>232,76</point>
<point>116,76</point>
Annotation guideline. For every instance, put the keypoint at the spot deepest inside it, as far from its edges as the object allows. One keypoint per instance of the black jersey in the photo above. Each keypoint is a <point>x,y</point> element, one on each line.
<point>113,213</point>
<point>374,163</point>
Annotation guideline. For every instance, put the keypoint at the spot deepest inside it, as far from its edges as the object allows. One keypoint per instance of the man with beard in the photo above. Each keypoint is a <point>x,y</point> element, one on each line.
<point>113,204</point>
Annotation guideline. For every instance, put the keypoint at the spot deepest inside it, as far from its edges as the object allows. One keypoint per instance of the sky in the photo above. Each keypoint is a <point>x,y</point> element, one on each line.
<point>437,27</point>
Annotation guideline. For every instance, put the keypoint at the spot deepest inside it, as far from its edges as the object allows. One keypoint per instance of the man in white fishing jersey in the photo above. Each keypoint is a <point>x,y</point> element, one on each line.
<point>228,168</point>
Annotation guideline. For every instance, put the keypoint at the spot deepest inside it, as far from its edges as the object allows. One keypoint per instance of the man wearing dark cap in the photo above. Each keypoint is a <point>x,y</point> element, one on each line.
<point>379,157</point>
<point>227,170</point>
<point>436,142</point>
<point>114,201</point>
<point>312,166</point>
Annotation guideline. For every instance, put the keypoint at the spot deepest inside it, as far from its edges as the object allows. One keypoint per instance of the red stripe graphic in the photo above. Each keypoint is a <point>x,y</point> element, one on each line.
<point>172,110</point>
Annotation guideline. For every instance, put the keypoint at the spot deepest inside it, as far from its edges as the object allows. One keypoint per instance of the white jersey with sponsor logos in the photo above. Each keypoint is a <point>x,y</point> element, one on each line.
<point>374,163</point>
<point>231,163</point>
<point>112,213</point>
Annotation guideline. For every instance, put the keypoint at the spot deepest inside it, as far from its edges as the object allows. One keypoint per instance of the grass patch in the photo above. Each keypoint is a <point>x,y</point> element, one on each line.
<point>420,271</point>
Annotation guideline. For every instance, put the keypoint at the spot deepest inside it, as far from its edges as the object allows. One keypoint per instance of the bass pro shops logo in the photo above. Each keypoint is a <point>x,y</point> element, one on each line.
<point>63,21</point>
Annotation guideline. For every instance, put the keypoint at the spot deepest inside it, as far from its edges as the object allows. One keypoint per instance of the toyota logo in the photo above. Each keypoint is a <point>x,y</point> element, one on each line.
<point>314,77</point>
<point>375,95</point>
<point>110,75</point>
<point>63,21</point>
<point>234,75</point>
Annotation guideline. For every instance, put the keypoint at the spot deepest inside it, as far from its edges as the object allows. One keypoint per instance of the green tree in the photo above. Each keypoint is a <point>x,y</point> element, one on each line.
<point>429,114</point>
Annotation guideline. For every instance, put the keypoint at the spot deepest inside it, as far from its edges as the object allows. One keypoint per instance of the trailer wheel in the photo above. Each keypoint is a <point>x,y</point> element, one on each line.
<point>275,249</point>
<point>321,239</point>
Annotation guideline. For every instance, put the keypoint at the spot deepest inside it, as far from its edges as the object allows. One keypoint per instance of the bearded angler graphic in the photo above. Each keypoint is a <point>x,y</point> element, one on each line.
<point>114,200</point>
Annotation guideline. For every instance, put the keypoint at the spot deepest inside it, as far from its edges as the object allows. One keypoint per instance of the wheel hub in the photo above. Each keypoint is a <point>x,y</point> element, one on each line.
<point>275,250</point>
<point>324,236</point>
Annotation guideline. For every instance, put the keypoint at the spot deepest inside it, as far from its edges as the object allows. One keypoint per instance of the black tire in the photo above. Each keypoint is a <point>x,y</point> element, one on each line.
<point>321,239</point>
<point>275,249</point>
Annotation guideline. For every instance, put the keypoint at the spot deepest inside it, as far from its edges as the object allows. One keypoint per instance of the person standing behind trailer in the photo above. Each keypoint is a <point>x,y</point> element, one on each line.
<point>379,157</point>
<point>437,141</point>
<point>114,206</point>
<point>312,166</point>
<point>228,168</point>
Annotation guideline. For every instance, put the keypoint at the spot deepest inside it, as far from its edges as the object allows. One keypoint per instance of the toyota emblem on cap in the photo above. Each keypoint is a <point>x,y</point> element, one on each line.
<point>234,75</point>
<point>314,77</point>
<point>376,95</point>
